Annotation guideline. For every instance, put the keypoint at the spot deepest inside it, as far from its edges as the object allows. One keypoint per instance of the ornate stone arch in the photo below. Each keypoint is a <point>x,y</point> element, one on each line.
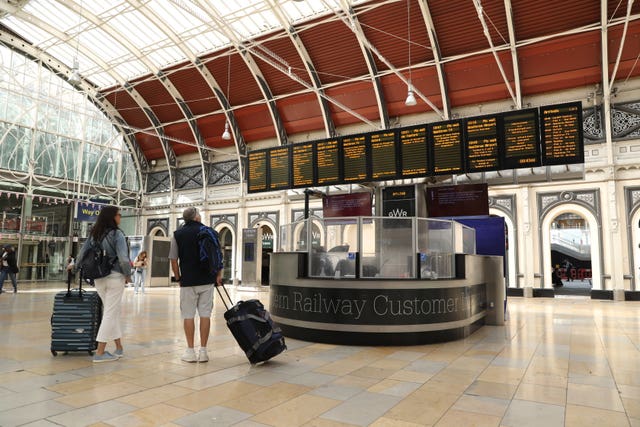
<point>506,204</point>
<point>585,203</point>
<point>632,207</point>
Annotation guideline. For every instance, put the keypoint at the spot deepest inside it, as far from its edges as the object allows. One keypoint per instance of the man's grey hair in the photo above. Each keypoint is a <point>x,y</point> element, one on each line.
<point>190,214</point>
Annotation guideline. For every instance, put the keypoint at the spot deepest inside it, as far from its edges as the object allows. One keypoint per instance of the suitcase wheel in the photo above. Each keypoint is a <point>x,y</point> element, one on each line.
<point>90,353</point>
<point>55,353</point>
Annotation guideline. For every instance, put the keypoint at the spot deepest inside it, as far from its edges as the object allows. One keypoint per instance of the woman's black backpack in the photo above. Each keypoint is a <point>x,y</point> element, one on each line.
<point>96,263</point>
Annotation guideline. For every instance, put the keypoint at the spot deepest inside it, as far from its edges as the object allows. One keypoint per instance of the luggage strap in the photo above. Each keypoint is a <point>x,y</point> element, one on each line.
<point>245,317</point>
<point>258,343</point>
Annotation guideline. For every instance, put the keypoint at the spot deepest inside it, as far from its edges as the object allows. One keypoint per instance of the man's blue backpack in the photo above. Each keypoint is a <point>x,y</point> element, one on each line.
<point>209,250</point>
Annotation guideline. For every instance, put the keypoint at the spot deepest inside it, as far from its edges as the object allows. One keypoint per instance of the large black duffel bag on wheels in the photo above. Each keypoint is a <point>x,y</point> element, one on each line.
<point>75,320</point>
<point>253,329</point>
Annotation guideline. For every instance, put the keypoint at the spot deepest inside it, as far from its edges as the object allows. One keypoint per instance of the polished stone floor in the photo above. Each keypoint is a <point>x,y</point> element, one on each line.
<point>571,362</point>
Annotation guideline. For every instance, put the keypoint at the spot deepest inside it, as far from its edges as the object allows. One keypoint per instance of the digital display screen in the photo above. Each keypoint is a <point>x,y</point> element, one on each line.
<point>302,165</point>
<point>327,162</point>
<point>458,200</point>
<point>384,162</point>
<point>279,168</point>
<point>354,158</point>
<point>257,171</point>
<point>521,139</point>
<point>562,141</point>
<point>482,143</point>
<point>446,138</point>
<point>343,205</point>
<point>413,151</point>
<point>549,135</point>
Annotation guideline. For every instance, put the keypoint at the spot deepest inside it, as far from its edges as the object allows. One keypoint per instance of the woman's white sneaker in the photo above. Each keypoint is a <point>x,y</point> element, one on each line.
<point>189,356</point>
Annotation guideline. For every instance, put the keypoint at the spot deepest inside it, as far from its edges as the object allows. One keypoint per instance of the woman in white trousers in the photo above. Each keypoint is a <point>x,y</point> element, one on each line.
<point>111,287</point>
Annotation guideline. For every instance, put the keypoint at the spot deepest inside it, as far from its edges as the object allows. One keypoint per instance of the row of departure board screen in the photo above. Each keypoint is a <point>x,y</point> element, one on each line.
<point>550,135</point>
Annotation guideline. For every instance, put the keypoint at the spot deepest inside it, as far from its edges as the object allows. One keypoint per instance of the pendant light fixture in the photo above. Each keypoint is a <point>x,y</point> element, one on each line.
<point>226,135</point>
<point>75,78</point>
<point>411,99</point>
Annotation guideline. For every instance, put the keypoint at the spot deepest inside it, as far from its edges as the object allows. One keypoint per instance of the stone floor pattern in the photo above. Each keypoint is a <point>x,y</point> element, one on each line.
<point>562,362</point>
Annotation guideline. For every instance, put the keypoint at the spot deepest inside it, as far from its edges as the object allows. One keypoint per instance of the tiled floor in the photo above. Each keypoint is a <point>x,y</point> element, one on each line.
<point>562,362</point>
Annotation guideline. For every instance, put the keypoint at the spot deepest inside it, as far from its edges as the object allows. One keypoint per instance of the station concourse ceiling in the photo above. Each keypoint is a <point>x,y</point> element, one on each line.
<point>178,70</point>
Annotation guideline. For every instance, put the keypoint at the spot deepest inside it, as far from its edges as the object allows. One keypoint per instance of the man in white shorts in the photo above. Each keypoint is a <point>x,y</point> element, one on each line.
<point>196,284</point>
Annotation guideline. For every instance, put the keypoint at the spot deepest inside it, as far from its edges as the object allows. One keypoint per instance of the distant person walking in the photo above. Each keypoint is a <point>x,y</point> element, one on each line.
<point>110,288</point>
<point>140,266</point>
<point>9,267</point>
<point>196,284</point>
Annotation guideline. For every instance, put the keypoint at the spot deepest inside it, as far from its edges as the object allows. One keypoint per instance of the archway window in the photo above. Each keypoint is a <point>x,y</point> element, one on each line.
<point>47,122</point>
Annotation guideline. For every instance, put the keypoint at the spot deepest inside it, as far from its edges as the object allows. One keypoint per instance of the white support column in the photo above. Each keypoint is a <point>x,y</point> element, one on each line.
<point>525,243</point>
<point>613,267</point>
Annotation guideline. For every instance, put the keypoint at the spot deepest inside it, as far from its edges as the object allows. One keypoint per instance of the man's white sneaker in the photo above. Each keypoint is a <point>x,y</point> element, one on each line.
<point>203,356</point>
<point>189,356</point>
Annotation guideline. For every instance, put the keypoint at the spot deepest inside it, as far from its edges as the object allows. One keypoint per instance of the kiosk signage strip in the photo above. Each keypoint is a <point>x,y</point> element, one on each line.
<point>549,135</point>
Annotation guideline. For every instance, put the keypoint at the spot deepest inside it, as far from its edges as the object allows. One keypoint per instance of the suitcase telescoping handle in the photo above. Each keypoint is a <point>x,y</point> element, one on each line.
<point>79,284</point>
<point>222,298</point>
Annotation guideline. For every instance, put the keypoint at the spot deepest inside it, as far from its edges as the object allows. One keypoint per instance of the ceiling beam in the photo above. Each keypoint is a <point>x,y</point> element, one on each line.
<point>437,58</point>
<point>494,52</point>
<point>205,158</point>
<point>622,40</point>
<point>212,15</point>
<point>508,9</point>
<point>329,126</point>
<point>354,25</point>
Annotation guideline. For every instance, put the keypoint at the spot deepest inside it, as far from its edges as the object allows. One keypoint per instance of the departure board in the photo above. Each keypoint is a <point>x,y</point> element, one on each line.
<point>302,165</point>
<point>354,158</point>
<point>447,146</point>
<point>384,161</point>
<point>562,141</point>
<point>413,151</point>
<point>548,135</point>
<point>482,134</point>
<point>279,160</point>
<point>328,162</point>
<point>257,171</point>
<point>521,140</point>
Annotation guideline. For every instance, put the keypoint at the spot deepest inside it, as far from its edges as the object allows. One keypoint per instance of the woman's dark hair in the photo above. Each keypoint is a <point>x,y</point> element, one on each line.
<point>106,221</point>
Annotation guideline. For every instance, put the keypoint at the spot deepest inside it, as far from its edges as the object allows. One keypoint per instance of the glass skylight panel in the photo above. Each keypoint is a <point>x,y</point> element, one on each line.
<point>206,42</point>
<point>53,13</point>
<point>131,69</point>
<point>101,79</point>
<point>102,6</point>
<point>146,33</point>
<point>165,56</point>
<point>175,17</point>
<point>28,31</point>
<point>104,45</point>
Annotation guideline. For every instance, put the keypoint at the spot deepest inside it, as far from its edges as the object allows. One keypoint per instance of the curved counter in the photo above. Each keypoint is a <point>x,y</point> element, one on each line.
<point>385,311</point>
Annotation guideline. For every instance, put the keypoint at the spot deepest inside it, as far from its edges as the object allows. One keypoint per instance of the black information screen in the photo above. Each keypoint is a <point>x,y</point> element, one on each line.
<point>384,161</point>
<point>482,143</point>
<point>562,141</point>
<point>446,138</point>
<point>413,151</point>
<point>548,135</point>
<point>328,162</point>
<point>279,168</point>
<point>257,171</point>
<point>354,158</point>
<point>521,147</point>
<point>302,165</point>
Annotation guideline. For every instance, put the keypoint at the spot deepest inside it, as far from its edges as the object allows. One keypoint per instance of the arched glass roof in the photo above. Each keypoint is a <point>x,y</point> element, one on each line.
<point>99,33</point>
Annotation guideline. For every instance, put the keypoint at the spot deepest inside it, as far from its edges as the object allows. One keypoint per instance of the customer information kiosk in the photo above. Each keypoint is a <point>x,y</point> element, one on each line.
<point>383,281</point>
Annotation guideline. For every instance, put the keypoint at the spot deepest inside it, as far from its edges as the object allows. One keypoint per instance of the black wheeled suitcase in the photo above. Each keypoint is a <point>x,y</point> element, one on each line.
<point>253,329</point>
<point>75,320</point>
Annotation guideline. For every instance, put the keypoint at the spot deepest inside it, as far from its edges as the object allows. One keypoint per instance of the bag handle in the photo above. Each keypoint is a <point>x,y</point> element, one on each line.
<point>222,298</point>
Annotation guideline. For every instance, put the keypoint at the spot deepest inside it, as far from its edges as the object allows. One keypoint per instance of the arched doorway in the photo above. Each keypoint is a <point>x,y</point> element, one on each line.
<point>571,250</point>
<point>226,244</point>
<point>264,249</point>
<point>158,232</point>
<point>511,261</point>
<point>635,246</point>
